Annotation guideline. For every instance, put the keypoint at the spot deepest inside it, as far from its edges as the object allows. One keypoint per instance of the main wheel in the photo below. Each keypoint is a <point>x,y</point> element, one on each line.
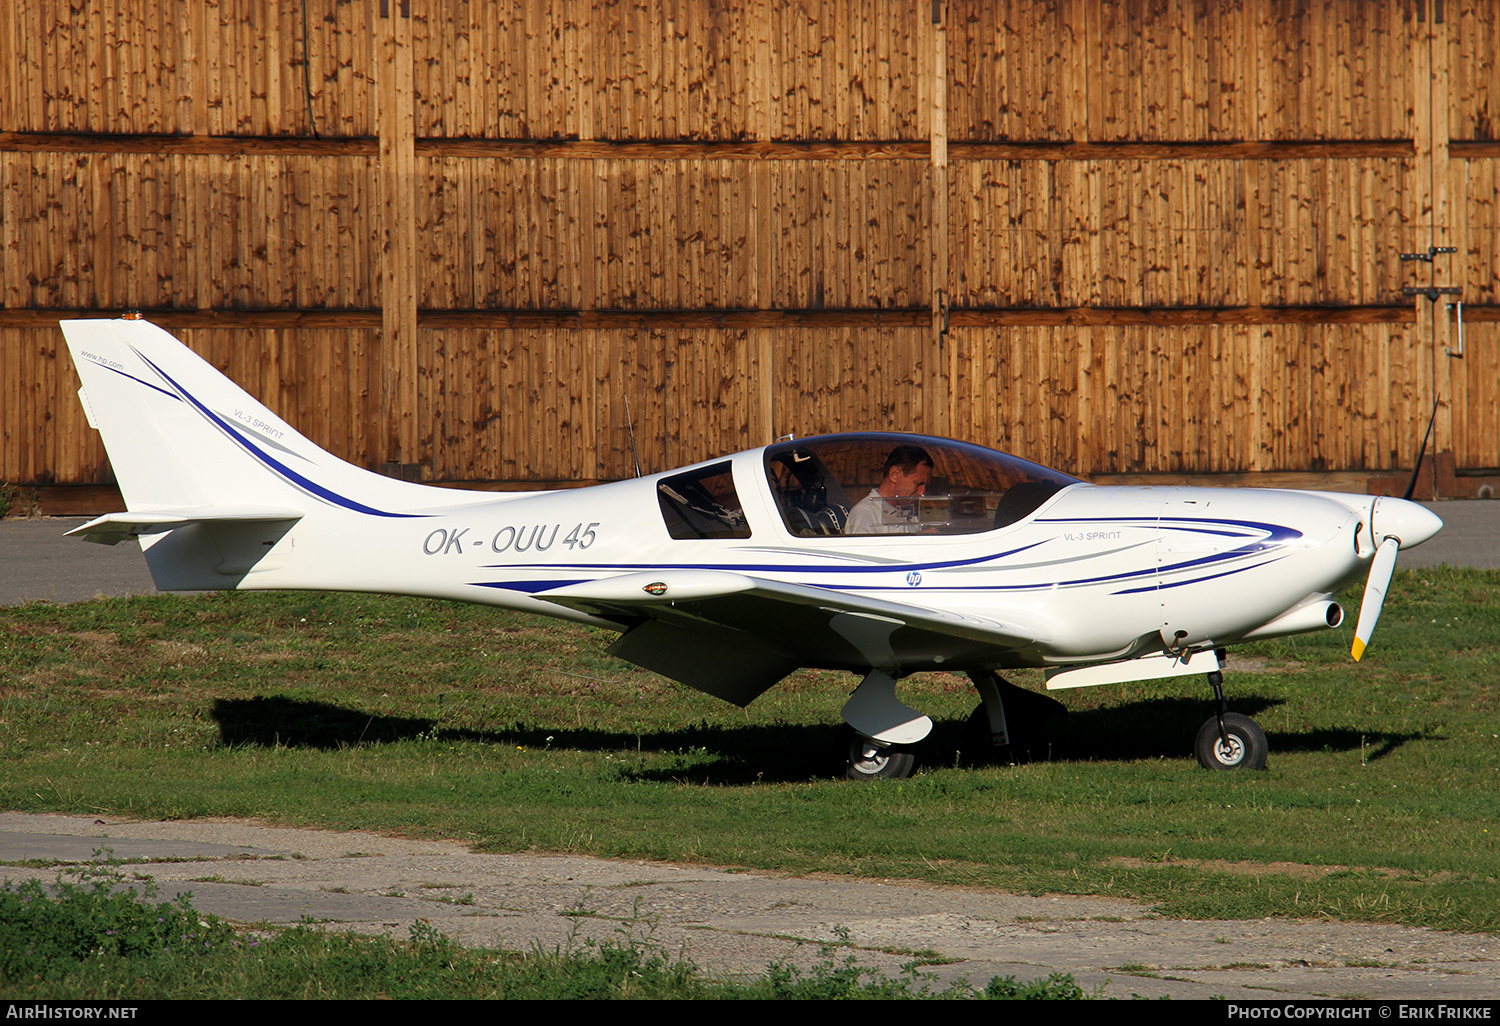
<point>1246,747</point>
<point>869,761</point>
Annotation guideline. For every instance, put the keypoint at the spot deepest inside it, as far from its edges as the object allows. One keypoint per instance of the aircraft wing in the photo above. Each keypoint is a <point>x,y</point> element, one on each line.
<point>733,635</point>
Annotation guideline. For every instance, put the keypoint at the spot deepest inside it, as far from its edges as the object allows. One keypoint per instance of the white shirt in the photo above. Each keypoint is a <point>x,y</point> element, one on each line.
<point>875,514</point>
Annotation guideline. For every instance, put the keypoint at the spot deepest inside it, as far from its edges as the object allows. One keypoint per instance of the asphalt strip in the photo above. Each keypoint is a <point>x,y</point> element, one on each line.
<point>739,923</point>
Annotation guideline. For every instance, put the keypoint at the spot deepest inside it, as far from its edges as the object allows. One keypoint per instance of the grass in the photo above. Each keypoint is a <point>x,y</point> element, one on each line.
<point>434,719</point>
<point>87,938</point>
<point>16,502</point>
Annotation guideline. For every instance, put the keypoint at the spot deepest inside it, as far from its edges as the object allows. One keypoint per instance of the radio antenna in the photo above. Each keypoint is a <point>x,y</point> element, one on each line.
<point>630,423</point>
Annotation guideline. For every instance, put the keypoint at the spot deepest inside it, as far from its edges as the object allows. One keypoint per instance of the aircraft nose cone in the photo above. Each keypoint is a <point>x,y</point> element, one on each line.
<point>1407,521</point>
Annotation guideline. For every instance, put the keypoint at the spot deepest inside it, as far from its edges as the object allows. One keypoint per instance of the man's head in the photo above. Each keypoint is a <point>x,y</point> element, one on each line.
<point>907,470</point>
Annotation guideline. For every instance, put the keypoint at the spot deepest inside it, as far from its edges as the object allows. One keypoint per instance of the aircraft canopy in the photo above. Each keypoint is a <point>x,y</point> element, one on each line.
<point>818,481</point>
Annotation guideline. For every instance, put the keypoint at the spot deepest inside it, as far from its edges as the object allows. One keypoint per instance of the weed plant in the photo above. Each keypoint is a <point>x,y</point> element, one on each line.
<point>16,502</point>
<point>91,928</point>
<point>92,938</point>
<point>513,733</point>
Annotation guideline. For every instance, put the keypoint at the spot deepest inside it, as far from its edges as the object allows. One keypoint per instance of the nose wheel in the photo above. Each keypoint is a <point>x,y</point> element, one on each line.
<point>1227,740</point>
<point>1240,744</point>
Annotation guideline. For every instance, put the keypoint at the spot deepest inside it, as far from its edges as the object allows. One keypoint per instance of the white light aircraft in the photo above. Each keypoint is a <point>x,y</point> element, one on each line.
<point>730,574</point>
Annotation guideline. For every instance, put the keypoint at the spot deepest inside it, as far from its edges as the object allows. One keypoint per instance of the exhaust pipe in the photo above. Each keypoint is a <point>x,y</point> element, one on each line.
<point>1314,616</point>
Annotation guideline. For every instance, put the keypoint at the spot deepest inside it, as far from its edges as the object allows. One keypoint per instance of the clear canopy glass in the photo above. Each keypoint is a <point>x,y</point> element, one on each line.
<point>821,483</point>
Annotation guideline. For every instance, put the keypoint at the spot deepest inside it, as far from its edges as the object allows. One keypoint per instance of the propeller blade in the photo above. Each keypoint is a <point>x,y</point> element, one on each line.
<point>1381,568</point>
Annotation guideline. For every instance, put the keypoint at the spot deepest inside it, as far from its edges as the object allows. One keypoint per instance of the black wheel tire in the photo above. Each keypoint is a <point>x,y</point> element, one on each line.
<point>890,763</point>
<point>1247,748</point>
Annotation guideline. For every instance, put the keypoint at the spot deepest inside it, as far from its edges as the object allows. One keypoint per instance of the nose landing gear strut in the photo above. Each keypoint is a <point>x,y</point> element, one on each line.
<point>1229,740</point>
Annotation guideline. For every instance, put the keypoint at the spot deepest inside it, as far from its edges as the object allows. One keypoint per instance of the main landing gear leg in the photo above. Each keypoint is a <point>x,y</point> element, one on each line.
<point>1229,740</point>
<point>1008,716</point>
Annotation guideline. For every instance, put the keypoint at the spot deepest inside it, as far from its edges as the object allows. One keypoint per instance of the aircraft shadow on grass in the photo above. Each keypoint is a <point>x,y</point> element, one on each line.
<point>788,753</point>
<point>293,723</point>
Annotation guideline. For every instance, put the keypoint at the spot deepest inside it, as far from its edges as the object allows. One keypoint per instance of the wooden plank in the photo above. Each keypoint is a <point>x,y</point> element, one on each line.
<point>1417,395</point>
<point>14,171</point>
<point>1481,218</point>
<point>18,77</point>
<point>398,271</point>
<point>1444,214</point>
<point>209,77</point>
<point>1481,446</point>
<point>1475,70</point>
<point>752,318</point>
<point>1241,416</point>
<point>12,424</point>
<point>66,142</point>
<point>853,150</point>
<point>149,62</point>
<point>939,411</point>
<point>95,105</point>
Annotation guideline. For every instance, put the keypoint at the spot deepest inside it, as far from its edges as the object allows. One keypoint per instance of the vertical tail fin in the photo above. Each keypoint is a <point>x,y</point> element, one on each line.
<point>182,436</point>
<point>212,479</point>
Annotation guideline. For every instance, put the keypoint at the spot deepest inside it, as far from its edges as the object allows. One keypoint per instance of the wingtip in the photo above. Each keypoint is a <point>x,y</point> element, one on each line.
<point>1357,650</point>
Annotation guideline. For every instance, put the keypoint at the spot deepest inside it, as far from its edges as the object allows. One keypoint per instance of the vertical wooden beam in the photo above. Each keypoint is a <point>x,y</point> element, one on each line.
<point>398,265</point>
<point>939,414</point>
<point>1473,388</point>
<point>1417,403</point>
<point>1423,221</point>
<point>763,226</point>
<point>1075,47</point>
<point>192,69</point>
<point>1445,267</point>
<point>581,26</point>
<point>16,73</point>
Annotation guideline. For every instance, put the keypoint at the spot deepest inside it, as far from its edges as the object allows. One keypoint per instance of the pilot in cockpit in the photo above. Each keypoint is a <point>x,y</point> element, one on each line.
<point>905,476</point>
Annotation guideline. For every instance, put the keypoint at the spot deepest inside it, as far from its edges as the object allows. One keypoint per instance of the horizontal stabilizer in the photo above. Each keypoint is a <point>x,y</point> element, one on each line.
<point>113,528</point>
